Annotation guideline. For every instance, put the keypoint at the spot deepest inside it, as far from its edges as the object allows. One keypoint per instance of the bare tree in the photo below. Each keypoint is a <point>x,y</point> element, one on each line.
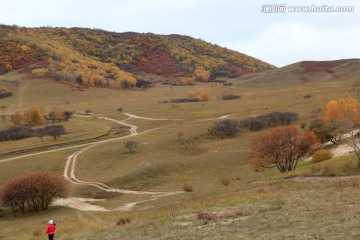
<point>131,145</point>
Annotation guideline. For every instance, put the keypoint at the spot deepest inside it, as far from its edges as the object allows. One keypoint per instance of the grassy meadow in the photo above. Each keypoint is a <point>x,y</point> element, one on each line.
<point>255,205</point>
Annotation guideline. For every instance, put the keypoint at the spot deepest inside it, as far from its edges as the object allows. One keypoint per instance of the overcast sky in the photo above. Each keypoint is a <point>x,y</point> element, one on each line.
<point>277,38</point>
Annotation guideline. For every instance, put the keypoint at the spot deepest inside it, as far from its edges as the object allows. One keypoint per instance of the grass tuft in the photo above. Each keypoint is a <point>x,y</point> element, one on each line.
<point>188,187</point>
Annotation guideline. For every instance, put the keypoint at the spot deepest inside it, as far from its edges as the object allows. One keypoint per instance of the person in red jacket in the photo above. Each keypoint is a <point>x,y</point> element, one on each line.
<point>50,229</point>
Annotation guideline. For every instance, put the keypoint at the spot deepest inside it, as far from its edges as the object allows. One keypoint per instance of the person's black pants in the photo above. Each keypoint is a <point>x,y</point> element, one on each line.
<point>51,236</point>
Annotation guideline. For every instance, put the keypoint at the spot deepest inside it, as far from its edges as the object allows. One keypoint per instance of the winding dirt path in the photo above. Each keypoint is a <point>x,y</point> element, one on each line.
<point>21,95</point>
<point>70,165</point>
<point>69,171</point>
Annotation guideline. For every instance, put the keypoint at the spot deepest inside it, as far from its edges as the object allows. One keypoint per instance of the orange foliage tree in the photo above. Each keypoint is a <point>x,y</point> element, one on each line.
<point>16,118</point>
<point>343,116</point>
<point>191,94</point>
<point>340,116</point>
<point>201,75</point>
<point>346,107</point>
<point>281,147</point>
<point>34,116</point>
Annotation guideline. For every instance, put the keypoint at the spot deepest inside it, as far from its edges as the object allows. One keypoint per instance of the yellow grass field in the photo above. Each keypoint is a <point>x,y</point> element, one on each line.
<point>255,205</point>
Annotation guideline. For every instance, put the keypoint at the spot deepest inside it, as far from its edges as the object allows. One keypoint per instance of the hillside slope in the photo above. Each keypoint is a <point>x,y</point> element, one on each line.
<point>307,72</point>
<point>108,59</point>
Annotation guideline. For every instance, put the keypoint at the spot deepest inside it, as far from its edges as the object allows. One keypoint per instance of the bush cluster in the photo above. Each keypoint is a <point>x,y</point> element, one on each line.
<point>322,132</point>
<point>5,94</point>
<point>230,128</point>
<point>18,133</point>
<point>181,100</point>
<point>230,97</point>
<point>268,120</point>
<point>225,128</point>
<point>33,192</point>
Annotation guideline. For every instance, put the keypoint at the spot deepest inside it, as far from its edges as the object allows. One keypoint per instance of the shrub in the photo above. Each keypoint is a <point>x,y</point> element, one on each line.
<point>33,192</point>
<point>88,111</point>
<point>225,128</point>
<point>67,115</point>
<point>182,100</point>
<point>252,124</point>
<point>321,131</point>
<point>188,187</point>
<point>179,134</point>
<point>207,216</point>
<point>321,155</point>
<point>230,97</point>
<point>224,181</point>
<point>123,221</point>
<point>201,75</point>
<point>191,95</point>
<point>158,71</point>
<point>141,83</point>
<point>131,145</point>
<point>204,97</point>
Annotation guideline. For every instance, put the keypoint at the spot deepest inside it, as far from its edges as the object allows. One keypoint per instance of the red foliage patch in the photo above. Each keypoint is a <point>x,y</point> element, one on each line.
<point>236,71</point>
<point>160,63</point>
<point>311,66</point>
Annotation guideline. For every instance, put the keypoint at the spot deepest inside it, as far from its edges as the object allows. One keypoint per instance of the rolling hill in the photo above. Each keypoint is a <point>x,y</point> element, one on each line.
<point>93,57</point>
<point>307,72</point>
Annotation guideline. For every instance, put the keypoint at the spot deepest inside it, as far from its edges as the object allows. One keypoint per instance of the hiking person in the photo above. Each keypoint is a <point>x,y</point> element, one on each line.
<point>50,229</point>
